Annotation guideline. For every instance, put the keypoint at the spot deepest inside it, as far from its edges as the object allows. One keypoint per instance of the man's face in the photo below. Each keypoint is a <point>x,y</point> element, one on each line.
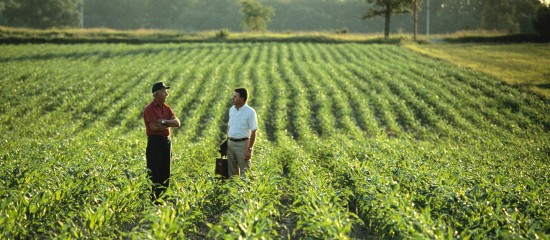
<point>237,100</point>
<point>161,95</point>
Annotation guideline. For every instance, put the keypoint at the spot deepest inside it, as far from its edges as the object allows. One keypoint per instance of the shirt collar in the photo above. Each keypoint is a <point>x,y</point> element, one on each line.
<point>157,103</point>
<point>243,106</point>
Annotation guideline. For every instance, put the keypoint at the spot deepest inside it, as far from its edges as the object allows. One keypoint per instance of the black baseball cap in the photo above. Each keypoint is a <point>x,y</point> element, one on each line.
<point>158,86</point>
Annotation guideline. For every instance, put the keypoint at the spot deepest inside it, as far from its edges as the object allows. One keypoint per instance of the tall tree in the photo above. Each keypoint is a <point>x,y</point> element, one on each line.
<point>416,6</point>
<point>541,21</point>
<point>42,13</point>
<point>388,8</point>
<point>499,15</point>
<point>256,15</point>
<point>119,14</point>
<point>525,12</point>
<point>2,6</point>
<point>454,15</point>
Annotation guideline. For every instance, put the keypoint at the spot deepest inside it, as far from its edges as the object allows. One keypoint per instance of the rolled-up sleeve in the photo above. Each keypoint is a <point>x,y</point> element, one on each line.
<point>252,120</point>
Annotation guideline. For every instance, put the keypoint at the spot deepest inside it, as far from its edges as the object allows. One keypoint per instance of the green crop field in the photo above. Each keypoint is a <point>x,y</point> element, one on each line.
<point>356,141</point>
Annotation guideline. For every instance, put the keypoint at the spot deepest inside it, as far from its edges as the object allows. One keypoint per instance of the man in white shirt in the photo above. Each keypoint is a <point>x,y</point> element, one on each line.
<point>243,124</point>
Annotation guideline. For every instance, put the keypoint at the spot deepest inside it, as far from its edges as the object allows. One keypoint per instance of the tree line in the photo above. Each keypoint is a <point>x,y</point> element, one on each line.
<point>362,16</point>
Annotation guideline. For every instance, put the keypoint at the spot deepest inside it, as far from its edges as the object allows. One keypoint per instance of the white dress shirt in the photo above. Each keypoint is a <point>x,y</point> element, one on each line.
<point>242,121</point>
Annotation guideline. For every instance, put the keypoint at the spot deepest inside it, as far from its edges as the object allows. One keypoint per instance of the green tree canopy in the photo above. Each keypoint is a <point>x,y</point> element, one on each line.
<point>499,14</point>
<point>256,15</point>
<point>42,13</point>
<point>541,22</point>
<point>446,16</point>
<point>504,15</point>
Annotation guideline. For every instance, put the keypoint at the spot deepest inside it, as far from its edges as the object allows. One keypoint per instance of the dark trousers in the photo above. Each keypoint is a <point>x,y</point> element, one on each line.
<point>159,153</point>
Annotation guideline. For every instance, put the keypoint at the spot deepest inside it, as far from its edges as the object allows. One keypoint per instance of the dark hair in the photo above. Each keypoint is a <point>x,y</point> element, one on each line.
<point>242,92</point>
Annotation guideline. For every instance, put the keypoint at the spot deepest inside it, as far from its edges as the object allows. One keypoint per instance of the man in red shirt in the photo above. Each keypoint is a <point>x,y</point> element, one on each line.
<point>158,118</point>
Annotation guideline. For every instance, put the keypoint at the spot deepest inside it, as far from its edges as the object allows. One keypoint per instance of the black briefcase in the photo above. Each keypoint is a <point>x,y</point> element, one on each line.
<point>221,163</point>
<point>221,167</point>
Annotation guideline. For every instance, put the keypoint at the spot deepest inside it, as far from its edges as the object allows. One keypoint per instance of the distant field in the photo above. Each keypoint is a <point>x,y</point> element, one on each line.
<point>525,65</point>
<point>356,141</point>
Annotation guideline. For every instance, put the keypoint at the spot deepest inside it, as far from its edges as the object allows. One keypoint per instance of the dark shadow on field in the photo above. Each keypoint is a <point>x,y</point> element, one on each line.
<point>149,50</point>
<point>360,231</point>
<point>270,129</point>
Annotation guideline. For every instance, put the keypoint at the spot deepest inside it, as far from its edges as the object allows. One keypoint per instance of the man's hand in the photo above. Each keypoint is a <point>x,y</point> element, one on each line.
<point>174,122</point>
<point>249,146</point>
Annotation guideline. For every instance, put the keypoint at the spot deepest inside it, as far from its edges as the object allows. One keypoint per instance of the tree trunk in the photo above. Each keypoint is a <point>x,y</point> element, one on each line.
<point>415,20</point>
<point>387,27</point>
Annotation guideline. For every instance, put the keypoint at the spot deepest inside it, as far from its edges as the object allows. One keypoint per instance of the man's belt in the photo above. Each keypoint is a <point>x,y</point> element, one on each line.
<point>238,139</point>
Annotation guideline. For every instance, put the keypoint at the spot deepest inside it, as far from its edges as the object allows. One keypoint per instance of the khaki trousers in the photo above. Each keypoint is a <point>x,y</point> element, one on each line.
<point>235,158</point>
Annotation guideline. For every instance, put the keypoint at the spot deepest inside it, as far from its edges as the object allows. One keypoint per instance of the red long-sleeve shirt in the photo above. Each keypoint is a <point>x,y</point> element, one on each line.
<point>152,113</point>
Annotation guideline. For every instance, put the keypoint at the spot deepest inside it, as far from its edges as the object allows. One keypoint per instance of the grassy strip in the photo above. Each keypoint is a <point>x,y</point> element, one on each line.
<point>142,36</point>
<point>515,38</point>
<point>522,65</point>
